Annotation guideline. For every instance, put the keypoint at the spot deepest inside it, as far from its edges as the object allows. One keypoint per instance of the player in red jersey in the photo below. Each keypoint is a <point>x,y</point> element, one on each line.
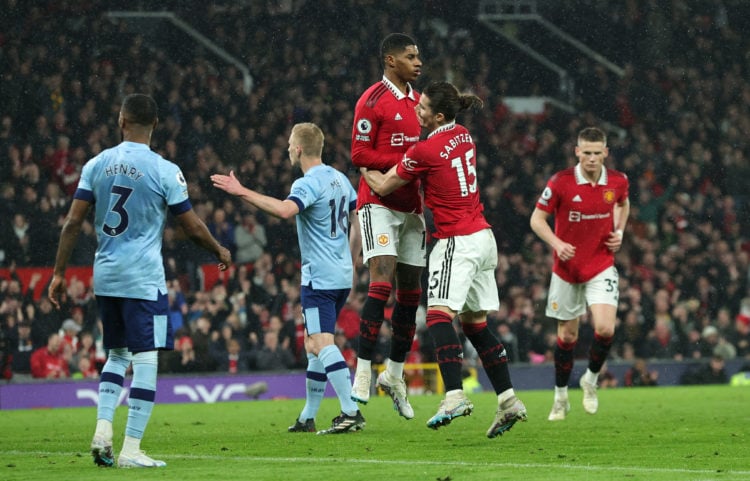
<point>590,205</point>
<point>463,261</point>
<point>393,226</point>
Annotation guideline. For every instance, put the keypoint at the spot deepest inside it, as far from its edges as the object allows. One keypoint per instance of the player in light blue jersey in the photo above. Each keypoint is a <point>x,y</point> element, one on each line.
<point>131,189</point>
<point>323,201</point>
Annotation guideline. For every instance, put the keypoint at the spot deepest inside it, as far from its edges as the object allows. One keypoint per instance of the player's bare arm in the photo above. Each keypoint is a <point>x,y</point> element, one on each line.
<point>79,209</point>
<point>197,231</point>
<point>541,228</point>
<point>383,183</point>
<point>284,209</point>
<point>621,214</point>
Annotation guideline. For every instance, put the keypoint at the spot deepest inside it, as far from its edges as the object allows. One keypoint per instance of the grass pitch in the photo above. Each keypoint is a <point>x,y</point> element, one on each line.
<point>666,433</point>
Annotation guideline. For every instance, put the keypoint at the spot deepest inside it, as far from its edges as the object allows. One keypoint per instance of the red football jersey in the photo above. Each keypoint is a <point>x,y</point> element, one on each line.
<point>584,217</point>
<point>385,126</point>
<point>446,163</point>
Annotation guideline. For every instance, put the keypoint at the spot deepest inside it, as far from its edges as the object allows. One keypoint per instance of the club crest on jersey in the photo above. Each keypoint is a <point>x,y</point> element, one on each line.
<point>609,196</point>
<point>383,240</point>
<point>554,306</point>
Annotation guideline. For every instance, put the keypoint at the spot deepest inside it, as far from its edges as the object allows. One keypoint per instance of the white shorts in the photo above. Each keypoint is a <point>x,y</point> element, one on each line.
<point>462,273</point>
<point>567,301</point>
<point>387,232</point>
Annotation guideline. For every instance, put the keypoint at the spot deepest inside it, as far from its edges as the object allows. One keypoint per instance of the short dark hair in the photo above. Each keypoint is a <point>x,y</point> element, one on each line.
<point>592,134</point>
<point>140,109</point>
<point>395,43</point>
<point>446,99</point>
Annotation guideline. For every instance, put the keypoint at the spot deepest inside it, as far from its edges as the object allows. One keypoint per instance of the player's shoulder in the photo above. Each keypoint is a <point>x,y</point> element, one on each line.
<point>616,174</point>
<point>563,175</point>
<point>374,94</point>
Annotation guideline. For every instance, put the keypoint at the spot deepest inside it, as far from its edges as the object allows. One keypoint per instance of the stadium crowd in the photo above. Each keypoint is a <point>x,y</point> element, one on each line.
<point>679,123</point>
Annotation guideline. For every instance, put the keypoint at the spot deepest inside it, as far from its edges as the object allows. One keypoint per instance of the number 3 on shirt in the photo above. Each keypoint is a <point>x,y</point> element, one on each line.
<point>119,208</point>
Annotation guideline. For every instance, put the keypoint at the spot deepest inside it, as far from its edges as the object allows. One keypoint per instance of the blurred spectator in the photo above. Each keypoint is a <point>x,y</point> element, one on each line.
<point>48,362</point>
<point>607,379</point>
<point>183,358</point>
<point>69,333</point>
<point>47,320</point>
<point>640,375</point>
<point>222,228</point>
<point>21,351</point>
<point>250,239</point>
<point>711,372</point>
<point>84,369</point>
<point>234,360</point>
<point>271,356</point>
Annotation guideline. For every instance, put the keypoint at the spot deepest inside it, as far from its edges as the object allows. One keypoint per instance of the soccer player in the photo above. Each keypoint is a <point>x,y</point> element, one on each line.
<point>590,205</point>
<point>323,201</point>
<point>131,189</point>
<point>463,261</point>
<point>393,227</point>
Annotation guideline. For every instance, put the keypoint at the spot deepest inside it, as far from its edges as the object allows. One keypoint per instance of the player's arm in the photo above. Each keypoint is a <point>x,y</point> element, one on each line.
<point>79,209</point>
<point>364,132</point>
<point>197,231</point>
<point>383,184</point>
<point>284,209</point>
<point>540,225</point>
<point>620,215</point>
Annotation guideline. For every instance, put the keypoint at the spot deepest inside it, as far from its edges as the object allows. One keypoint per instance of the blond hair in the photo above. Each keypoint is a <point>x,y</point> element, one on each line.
<point>310,138</point>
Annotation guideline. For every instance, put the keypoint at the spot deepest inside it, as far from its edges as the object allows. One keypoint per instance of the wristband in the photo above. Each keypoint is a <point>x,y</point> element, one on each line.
<point>619,231</point>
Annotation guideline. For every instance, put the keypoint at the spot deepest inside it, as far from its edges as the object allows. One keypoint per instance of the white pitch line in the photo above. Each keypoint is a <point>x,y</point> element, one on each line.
<point>640,469</point>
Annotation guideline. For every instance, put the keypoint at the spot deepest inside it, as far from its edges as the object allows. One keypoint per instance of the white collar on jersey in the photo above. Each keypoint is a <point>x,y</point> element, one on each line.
<point>580,179</point>
<point>396,92</point>
<point>443,128</point>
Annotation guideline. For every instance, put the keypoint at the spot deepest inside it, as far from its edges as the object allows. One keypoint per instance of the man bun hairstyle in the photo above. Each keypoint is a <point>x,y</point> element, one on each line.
<point>446,99</point>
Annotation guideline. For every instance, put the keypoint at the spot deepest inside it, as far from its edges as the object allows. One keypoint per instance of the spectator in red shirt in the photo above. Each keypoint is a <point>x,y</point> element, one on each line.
<point>48,362</point>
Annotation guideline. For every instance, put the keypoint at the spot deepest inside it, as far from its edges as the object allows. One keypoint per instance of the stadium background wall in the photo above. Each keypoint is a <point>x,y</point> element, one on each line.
<point>281,385</point>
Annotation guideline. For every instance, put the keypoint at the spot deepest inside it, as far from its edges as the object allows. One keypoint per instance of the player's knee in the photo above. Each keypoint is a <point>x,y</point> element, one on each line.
<point>382,268</point>
<point>568,337</point>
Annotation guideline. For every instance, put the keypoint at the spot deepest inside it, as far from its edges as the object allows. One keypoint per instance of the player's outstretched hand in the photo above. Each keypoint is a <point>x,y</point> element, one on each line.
<point>227,183</point>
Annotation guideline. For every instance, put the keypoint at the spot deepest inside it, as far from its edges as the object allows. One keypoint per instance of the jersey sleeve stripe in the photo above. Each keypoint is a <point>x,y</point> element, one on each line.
<point>297,201</point>
<point>375,95</point>
<point>180,208</point>
<point>83,194</point>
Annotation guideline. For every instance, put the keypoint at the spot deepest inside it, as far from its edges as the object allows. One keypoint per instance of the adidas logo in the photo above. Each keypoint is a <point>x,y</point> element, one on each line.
<point>398,117</point>
<point>577,198</point>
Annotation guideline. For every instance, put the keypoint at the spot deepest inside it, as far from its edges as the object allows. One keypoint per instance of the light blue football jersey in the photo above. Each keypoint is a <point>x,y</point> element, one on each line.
<point>131,188</point>
<point>325,198</point>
